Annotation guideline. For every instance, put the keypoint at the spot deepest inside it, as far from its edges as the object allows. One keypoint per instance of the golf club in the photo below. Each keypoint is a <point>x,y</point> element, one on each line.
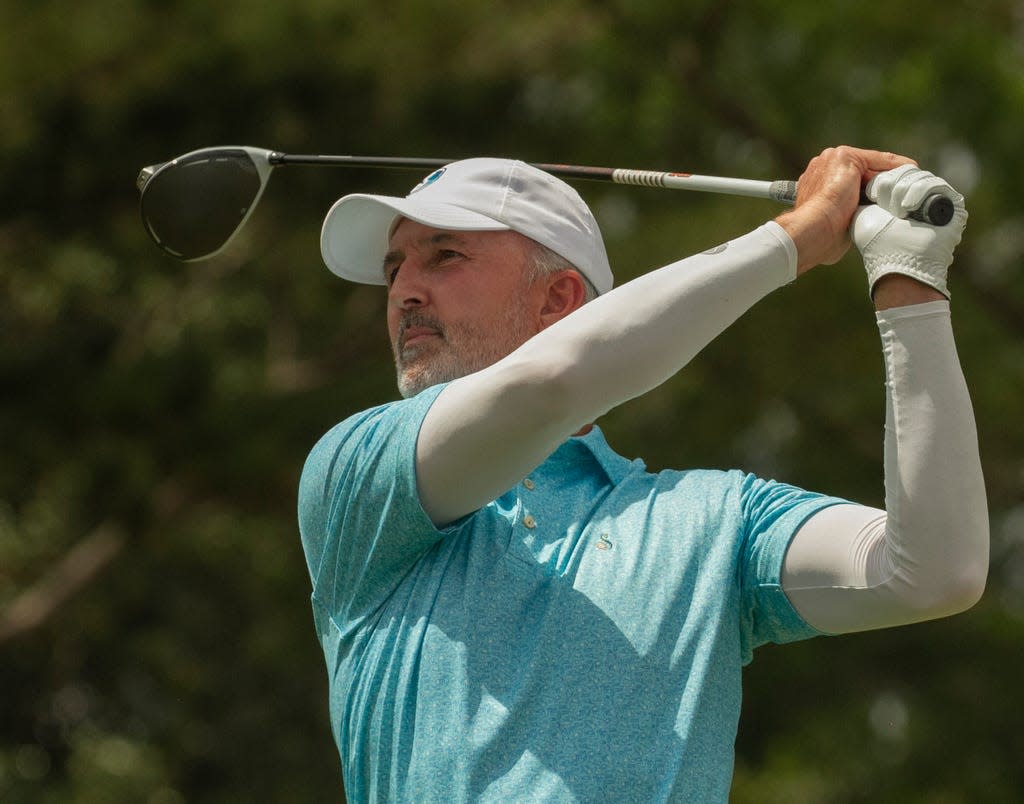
<point>194,205</point>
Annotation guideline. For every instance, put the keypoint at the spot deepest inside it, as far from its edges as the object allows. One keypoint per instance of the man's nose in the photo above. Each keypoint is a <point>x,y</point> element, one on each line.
<point>408,289</point>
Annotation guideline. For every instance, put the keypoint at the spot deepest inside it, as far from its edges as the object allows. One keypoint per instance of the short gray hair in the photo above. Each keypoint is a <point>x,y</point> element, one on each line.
<point>547,262</point>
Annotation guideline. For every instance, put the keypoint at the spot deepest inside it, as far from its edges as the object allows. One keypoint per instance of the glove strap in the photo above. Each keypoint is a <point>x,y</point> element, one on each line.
<point>930,272</point>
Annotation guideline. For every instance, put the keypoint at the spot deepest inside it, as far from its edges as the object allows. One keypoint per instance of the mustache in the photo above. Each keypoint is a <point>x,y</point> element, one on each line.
<point>414,318</point>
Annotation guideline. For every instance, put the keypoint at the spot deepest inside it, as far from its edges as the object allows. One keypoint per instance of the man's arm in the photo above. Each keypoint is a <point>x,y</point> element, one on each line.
<point>851,568</point>
<point>486,431</point>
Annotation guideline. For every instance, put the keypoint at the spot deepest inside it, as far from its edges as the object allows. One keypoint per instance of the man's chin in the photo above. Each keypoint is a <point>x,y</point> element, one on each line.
<point>408,388</point>
<point>415,379</point>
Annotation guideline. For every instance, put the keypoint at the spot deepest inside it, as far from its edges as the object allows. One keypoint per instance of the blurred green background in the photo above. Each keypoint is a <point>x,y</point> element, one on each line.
<point>156,639</point>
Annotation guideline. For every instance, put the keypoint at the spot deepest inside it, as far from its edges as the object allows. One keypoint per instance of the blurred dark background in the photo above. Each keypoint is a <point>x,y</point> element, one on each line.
<point>156,638</point>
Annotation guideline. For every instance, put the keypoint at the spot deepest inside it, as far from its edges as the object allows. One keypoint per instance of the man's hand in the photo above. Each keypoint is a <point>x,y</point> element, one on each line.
<point>828,195</point>
<point>900,254</point>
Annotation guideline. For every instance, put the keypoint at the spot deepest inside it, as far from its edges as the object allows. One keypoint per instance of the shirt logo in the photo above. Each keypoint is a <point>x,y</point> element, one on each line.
<point>429,180</point>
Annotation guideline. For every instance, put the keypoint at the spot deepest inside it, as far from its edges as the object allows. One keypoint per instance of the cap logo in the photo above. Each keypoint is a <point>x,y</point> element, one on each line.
<point>429,180</point>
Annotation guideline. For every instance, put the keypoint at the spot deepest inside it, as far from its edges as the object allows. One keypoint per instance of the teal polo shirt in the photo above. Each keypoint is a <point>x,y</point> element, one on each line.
<point>580,638</point>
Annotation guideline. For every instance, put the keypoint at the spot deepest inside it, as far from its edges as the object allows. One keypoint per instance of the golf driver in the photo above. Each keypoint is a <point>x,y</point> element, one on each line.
<point>194,205</point>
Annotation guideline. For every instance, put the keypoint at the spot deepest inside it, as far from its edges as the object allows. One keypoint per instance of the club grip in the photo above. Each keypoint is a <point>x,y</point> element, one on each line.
<point>937,209</point>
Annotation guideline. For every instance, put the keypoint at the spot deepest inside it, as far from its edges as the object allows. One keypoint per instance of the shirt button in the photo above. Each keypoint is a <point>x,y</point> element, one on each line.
<point>529,484</point>
<point>529,522</point>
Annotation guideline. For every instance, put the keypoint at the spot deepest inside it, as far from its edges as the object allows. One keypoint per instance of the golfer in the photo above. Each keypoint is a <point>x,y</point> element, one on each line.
<point>509,610</point>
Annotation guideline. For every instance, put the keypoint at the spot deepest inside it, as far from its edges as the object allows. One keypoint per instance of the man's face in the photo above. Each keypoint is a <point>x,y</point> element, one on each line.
<point>457,301</point>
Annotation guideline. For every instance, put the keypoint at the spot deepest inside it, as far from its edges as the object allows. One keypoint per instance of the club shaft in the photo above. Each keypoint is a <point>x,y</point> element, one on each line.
<point>645,178</point>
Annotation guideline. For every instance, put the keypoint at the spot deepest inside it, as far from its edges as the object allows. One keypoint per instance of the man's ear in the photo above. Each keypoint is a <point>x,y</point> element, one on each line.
<point>564,293</point>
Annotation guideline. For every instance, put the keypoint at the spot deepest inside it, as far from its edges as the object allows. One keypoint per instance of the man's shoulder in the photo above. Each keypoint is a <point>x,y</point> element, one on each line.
<point>360,420</point>
<point>660,480</point>
<point>690,479</point>
<point>379,420</point>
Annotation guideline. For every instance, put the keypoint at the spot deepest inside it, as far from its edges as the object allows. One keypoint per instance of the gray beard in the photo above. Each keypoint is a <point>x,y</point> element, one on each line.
<point>460,350</point>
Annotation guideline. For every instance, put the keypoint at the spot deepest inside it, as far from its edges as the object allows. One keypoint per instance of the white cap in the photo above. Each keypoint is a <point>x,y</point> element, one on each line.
<point>470,195</point>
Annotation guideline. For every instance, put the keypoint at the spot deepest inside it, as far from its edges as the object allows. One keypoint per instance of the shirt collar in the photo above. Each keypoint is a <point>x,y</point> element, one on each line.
<point>613,464</point>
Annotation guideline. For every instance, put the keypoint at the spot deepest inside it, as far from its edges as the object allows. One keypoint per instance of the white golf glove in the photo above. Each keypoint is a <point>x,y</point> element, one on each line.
<point>890,243</point>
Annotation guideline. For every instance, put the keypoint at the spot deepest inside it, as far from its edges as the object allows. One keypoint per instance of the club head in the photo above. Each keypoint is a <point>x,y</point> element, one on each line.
<point>193,205</point>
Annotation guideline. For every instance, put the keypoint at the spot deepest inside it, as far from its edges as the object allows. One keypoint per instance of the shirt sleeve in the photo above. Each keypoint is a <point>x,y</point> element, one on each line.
<point>772,514</point>
<point>360,517</point>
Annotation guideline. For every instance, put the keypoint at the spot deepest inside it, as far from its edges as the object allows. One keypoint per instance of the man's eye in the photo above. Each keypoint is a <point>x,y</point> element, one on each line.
<point>392,274</point>
<point>447,254</point>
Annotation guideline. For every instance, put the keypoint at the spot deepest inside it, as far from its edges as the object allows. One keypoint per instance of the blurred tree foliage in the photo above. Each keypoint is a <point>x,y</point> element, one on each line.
<point>155,631</point>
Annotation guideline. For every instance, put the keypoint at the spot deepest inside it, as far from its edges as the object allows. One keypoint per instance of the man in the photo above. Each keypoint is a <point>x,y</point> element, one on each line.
<point>510,611</point>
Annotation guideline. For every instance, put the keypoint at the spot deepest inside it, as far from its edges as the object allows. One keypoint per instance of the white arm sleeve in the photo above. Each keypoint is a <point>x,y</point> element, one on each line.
<point>488,430</point>
<point>851,568</point>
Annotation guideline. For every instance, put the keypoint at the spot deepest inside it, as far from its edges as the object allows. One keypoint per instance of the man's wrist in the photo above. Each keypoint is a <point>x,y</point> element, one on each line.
<point>812,231</point>
<point>900,290</point>
<point>797,227</point>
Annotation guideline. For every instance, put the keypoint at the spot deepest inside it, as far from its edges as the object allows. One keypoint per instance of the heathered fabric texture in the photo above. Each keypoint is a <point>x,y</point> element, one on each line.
<point>580,638</point>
